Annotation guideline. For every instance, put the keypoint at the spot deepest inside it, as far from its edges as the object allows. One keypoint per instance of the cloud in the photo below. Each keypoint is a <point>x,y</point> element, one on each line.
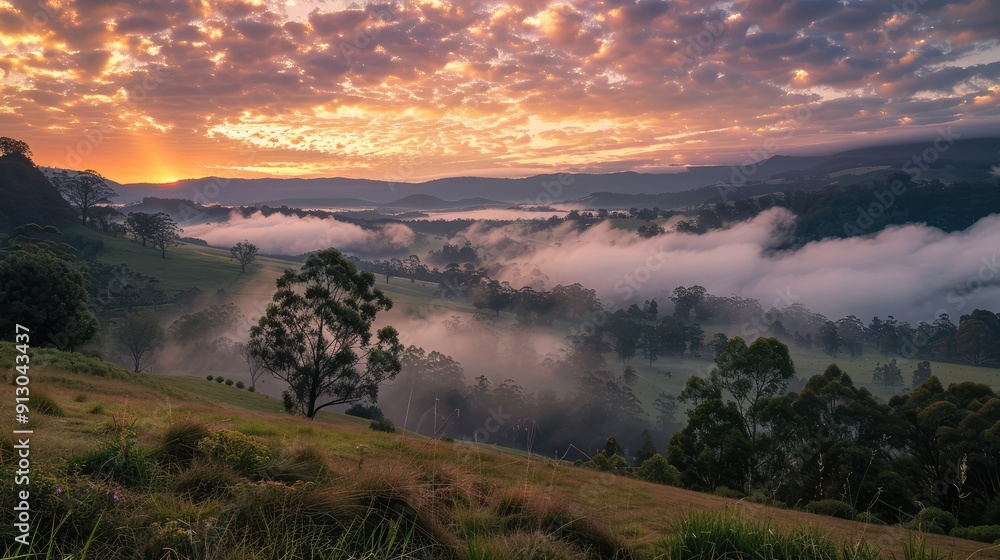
<point>290,235</point>
<point>462,87</point>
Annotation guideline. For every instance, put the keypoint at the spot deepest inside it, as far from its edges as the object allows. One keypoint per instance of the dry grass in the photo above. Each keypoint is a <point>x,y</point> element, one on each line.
<point>450,498</point>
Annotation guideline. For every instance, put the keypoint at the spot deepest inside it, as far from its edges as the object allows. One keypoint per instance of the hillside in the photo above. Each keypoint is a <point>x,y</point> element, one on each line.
<point>26,196</point>
<point>118,468</point>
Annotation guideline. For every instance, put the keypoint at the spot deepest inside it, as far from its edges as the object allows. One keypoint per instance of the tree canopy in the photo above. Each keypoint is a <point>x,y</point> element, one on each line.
<point>316,335</point>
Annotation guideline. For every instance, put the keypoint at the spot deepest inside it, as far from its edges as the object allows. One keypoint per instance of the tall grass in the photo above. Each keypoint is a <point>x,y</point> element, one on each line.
<point>729,534</point>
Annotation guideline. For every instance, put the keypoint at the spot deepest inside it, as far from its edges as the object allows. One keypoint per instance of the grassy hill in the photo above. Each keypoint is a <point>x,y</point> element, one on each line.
<point>118,472</point>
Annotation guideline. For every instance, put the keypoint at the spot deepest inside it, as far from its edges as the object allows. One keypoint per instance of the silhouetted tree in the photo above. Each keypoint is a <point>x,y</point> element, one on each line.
<point>84,189</point>
<point>245,253</point>
<point>316,335</point>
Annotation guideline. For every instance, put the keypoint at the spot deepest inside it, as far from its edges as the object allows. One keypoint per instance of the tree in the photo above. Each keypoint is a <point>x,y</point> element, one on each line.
<point>84,189</point>
<point>751,373</point>
<point>141,225</point>
<point>972,342</point>
<point>138,336</point>
<point>888,374</point>
<point>316,335</point>
<point>253,364</point>
<point>829,338</point>
<point>10,146</point>
<point>46,294</point>
<point>164,233</point>
<point>103,217</point>
<point>922,373</point>
<point>245,253</point>
<point>685,300</point>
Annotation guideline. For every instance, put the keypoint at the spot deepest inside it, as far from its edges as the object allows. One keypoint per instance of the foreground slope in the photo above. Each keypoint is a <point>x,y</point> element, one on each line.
<point>117,464</point>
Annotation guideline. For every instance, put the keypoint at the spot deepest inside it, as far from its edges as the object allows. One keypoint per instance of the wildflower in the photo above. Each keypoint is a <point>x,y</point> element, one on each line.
<point>59,490</point>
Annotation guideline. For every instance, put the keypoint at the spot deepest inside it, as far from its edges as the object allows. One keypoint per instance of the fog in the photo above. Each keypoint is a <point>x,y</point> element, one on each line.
<point>912,272</point>
<point>292,235</point>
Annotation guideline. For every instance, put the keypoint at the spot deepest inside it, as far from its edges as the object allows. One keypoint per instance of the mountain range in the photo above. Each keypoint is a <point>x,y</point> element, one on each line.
<point>951,161</point>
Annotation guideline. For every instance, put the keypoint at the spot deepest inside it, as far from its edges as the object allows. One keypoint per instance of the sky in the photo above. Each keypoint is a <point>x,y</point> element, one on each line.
<point>160,90</point>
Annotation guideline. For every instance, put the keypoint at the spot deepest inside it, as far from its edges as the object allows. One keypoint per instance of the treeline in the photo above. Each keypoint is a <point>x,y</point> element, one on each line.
<point>836,449</point>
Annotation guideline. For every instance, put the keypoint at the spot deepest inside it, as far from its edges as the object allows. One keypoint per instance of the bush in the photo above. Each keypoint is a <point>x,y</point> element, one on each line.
<point>245,454</point>
<point>981,533</point>
<point>180,441</point>
<point>229,382</point>
<point>240,385</point>
<point>251,389</point>
<point>657,469</point>
<point>601,462</point>
<point>933,520</point>
<point>727,492</point>
<point>219,379</point>
<point>832,508</point>
<point>209,377</point>
<point>121,460</point>
<point>383,426</point>
<point>368,412</point>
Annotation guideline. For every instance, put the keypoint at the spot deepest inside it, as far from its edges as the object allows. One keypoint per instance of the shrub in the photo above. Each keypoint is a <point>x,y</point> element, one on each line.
<point>601,462</point>
<point>657,469</point>
<point>229,382</point>
<point>368,412</point>
<point>305,463</point>
<point>245,454</point>
<point>119,459</point>
<point>447,439</point>
<point>44,404</point>
<point>981,533</point>
<point>727,492</point>
<point>251,389</point>
<point>97,409</point>
<point>204,480</point>
<point>382,426</point>
<point>219,379</point>
<point>209,377</point>
<point>180,441</point>
<point>240,385</point>
<point>832,508</point>
<point>933,520</point>
<point>80,398</point>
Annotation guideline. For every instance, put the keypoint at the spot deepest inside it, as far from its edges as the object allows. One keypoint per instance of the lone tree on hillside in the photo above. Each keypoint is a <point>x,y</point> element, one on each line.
<point>84,189</point>
<point>316,335</point>
<point>245,253</point>
<point>11,146</point>
<point>138,336</point>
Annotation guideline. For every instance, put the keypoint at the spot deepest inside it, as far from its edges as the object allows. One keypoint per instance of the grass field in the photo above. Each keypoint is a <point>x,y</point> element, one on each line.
<point>638,517</point>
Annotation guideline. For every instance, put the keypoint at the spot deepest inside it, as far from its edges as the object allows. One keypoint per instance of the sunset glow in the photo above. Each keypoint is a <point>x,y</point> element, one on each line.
<point>159,91</point>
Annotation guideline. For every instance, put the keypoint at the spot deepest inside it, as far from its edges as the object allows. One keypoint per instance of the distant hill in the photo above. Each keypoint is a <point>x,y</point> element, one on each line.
<point>966,159</point>
<point>26,196</point>
<point>430,202</point>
